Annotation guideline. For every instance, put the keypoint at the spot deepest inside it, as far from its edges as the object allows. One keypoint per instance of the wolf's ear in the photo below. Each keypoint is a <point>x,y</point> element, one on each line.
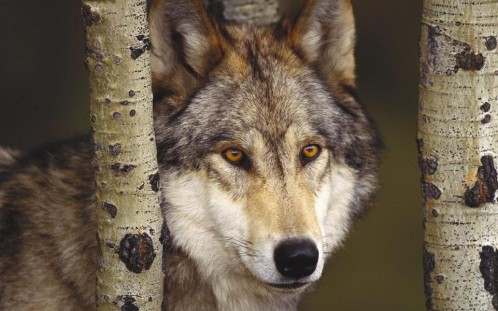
<point>324,35</point>
<point>185,45</point>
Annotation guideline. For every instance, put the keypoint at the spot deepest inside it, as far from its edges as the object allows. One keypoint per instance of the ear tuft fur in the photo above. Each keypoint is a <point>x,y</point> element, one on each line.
<point>185,45</point>
<point>324,33</point>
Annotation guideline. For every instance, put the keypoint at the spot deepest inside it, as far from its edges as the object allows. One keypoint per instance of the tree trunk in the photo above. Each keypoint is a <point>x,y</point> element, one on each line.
<point>129,221</point>
<point>256,12</point>
<point>457,138</point>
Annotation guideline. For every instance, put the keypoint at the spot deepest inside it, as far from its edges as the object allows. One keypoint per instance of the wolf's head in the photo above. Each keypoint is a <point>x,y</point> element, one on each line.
<point>266,156</point>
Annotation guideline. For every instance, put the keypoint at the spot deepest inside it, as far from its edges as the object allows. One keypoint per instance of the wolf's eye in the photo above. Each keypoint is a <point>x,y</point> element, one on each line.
<point>235,156</point>
<point>309,153</point>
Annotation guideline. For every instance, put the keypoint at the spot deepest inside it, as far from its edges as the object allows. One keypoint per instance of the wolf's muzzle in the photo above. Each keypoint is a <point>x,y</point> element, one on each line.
<point>296,258</point>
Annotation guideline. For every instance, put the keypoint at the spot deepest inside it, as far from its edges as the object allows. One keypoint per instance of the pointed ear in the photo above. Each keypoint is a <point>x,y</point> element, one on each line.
<point>185,45</point>
<point>324,35</point>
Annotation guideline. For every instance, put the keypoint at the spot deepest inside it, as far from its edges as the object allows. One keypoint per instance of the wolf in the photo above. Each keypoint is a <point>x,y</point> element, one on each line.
<point>266,160</point>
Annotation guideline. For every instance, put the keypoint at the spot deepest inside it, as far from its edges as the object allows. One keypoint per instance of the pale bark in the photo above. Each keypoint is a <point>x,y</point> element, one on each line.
<point>458,141</point>
<point>252,12</point>
<point>129,221</point>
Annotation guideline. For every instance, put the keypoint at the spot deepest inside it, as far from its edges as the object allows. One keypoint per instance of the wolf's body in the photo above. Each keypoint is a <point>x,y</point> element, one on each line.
<point>282,97</point>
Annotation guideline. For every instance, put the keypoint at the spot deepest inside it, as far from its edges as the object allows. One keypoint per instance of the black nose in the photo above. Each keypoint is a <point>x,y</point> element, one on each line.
<point>296,258</point>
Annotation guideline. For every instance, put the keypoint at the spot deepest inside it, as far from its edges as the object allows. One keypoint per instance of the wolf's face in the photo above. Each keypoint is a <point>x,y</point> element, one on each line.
<point>266,159</point>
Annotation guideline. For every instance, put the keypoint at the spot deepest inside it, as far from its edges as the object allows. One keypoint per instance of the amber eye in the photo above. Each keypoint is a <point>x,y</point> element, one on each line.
<point>234,156</point>
<point>310,153</point>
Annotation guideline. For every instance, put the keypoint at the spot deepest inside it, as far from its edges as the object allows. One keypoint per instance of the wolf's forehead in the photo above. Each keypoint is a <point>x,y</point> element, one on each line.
<point>258,52</point>
<point>263,87</point>
<point>266,83</point>
<point>269,106</point>
<point>247,113</point>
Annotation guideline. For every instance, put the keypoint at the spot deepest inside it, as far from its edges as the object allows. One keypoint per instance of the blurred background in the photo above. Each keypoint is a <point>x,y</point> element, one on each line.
<point>44,97</point>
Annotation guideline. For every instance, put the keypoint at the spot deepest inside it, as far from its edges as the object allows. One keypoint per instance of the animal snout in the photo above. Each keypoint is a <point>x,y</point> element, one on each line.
<point>296,258</point>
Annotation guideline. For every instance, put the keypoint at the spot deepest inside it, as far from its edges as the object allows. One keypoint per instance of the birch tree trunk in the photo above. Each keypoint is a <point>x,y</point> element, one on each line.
<point>251,12</point>
<point>129,221</point>
<point>458,144</point>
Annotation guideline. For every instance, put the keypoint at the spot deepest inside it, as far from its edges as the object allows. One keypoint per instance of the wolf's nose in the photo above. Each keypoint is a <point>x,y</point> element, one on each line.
<point>296,258</point>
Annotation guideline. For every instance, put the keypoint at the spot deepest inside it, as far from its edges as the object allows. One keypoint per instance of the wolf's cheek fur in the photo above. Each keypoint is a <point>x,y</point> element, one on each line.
<point>203,221</point>
<point>334,206</point>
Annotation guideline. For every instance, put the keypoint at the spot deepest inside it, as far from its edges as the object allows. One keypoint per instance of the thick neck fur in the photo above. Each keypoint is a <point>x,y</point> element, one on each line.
<point>186,289</point>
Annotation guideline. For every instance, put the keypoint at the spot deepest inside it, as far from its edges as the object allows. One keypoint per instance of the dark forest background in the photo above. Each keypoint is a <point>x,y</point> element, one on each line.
<point>44,97</point>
